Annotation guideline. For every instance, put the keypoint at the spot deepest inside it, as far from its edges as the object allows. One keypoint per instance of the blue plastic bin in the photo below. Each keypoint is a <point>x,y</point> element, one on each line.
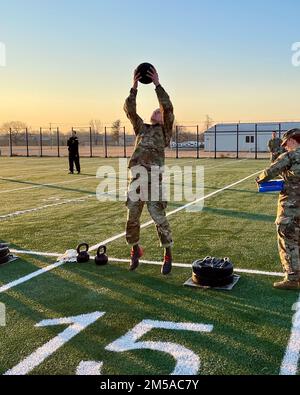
<point>271,186</point>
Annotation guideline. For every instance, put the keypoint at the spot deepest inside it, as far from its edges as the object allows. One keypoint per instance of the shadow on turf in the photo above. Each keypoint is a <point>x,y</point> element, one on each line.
<point>239,318</point>
<point>51,186</point>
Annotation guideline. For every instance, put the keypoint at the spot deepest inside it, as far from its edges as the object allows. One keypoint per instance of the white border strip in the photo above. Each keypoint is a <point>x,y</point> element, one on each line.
<point>46,269</point>
<point>189,266</point>
<point>51,267</point>
<point>37,273</point>
<point>145,225</point>
<point>32,210</point>
<point>53,184</point>
<point>289,366</point>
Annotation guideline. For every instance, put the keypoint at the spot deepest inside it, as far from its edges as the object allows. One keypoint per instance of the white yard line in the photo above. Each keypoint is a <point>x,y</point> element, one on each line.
<point>35,209</point>
<point>37,273</point>
<point>151,222</point>
<point>90,177</point>
<point>289,366</point>
<point>48,268</point>
<point>47,185</point>
<point>95,247</point>
<point>65,201</point>
<point>189,266</point>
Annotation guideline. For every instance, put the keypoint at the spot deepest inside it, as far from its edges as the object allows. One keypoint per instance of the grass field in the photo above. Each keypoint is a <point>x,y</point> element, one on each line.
<point>245,331</point>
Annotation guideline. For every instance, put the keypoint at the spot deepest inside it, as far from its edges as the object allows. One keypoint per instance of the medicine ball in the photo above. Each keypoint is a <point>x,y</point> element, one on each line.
<point>143,70</point>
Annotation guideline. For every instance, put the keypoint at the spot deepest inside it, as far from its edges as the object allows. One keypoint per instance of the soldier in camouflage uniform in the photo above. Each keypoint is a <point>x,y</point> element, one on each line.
<point>151,142</point>
<point>275,147</point>
<point>288,216</point>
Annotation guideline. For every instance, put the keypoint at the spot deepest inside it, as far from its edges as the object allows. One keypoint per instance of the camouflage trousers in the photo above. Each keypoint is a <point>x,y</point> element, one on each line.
<point>157,211</point>
<point>288,231</point>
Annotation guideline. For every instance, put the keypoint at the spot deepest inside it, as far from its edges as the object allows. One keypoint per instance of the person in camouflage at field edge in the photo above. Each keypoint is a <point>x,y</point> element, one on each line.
<point>288,216</point>
<point>275,147</point>
<point>151,142</point>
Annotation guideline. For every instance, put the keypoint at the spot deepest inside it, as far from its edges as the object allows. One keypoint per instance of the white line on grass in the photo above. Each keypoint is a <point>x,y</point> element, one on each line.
<point>289,366</point>
<point>145,225</point>
<point>87,178</point>
<point>65,201</point>
<point>189,266</point>
<point>31,210</point>
<point>48,268</point>
<point>46,185</point>
<point>37,273</point>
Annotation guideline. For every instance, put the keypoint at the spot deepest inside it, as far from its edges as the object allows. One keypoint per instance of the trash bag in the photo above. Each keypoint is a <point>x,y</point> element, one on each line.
<point>213,272</point>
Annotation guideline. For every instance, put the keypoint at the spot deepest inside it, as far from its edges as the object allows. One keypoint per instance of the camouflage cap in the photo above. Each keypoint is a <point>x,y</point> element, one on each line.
<point>290,134</point>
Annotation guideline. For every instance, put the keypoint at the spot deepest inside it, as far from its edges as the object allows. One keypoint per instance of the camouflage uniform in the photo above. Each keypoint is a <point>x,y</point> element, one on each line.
<point>151,141</point>
<point>288,215</point>
<point>275,148</point>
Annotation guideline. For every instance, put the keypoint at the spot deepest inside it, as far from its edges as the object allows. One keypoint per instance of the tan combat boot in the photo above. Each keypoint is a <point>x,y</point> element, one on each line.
<point>287,285</point>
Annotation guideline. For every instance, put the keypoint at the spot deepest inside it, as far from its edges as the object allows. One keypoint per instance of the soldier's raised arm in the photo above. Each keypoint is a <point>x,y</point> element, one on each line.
<point>166,106</point>
<point>282,163</point>
<point>130,106</point>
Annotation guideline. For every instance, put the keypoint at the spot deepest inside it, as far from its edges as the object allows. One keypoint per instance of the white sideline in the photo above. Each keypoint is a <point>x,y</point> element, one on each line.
<point>187,266</point>
<point>155,263</point>
<point>66,201</point>
<point>46,269</point>
<point>145,225</point>
<point>26,278</point>
<point>46,185</point>
<point>31,210</point>
<point>86,178</point>
<point>22,280</point>
<point>289,366</point>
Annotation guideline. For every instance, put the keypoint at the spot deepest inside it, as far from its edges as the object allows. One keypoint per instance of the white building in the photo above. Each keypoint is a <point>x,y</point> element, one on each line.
<point>243,136</point>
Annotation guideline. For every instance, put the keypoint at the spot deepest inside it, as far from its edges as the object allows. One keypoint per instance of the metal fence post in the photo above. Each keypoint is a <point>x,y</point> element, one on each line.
<point>10,142</point>
<point>125,150</point>
<point>105,141</point>
<point>177,150</point>
<point>256,142</point>
<point>91,143</point>
<point>215,141</point>
<point>58,148</point>
<point>280,130</point>
<point>198,142</point>
<point>41,143</point>
<point>27,147</point>
<point>237,140</point>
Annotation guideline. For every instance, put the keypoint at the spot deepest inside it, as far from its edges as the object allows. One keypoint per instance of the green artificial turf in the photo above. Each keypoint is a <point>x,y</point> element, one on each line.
<point>251,324</point>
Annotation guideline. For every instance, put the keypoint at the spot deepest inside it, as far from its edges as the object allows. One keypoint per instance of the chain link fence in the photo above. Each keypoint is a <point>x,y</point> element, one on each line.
<point>220,141</point>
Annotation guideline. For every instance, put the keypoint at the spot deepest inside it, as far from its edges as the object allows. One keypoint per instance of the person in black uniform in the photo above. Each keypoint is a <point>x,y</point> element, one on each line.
<point>73,147</point>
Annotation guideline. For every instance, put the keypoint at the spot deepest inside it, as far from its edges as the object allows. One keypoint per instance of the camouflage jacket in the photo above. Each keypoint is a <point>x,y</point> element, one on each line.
<point>288,167</point>
<point>275,146</point>
<point>151,140</point>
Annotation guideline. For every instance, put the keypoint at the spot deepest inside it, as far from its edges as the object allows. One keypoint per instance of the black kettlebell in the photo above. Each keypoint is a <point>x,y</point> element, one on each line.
<point>101,259</point>
<point>83,256</point>
<point>143,70</point>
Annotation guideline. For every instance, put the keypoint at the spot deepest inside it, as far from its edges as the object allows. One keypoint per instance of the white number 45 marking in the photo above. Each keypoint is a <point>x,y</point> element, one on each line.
<point>187,362</point>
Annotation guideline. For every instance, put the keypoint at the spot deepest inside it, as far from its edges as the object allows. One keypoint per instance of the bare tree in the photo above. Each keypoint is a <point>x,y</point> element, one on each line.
<point>97,129</point>
<point>17,129</point>
<point>208,122</point>
<point>116,130</point>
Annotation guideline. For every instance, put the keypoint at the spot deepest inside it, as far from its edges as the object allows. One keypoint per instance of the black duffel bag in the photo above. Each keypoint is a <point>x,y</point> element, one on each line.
<point>213,272</point>
<point>5,259</point>
<point>4,251</point>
